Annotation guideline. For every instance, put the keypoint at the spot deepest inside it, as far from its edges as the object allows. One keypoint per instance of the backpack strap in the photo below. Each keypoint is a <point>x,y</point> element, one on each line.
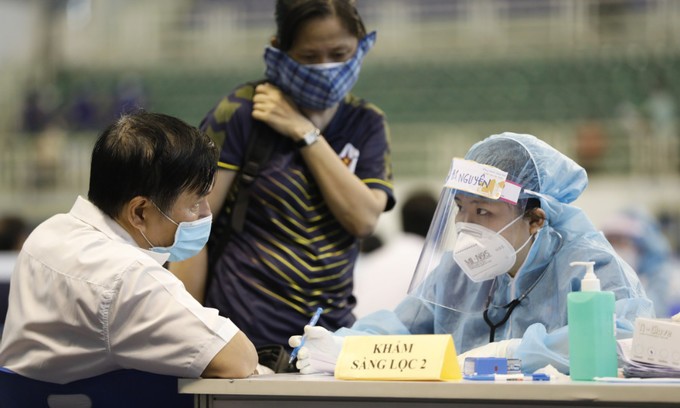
<point>258,152</point>
<point>232,215</point>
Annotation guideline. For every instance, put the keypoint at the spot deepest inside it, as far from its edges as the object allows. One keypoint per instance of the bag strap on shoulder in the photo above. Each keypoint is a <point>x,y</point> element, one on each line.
<point>232,215</point>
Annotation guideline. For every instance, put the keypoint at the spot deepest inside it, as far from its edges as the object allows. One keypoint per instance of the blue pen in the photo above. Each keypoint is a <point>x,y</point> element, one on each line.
<point>312,322</point>
<point>508,377</point>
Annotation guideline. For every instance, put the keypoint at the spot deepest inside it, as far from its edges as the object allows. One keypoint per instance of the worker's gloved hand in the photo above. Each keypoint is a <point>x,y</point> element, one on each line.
<point>320,351</point>
<point>503,348</point>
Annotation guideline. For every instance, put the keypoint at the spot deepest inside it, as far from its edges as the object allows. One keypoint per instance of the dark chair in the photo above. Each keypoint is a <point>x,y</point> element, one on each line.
<point>122,388</point>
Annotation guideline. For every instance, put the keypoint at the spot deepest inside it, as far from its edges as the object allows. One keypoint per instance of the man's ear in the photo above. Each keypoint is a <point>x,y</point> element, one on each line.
<point>536,220</point>
<point>274,42</point>
<point>135,211</point>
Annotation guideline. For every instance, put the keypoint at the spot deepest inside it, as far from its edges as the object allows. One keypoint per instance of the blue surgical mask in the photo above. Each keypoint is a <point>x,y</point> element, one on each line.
<point>317,86</point>
<point>190,238</point>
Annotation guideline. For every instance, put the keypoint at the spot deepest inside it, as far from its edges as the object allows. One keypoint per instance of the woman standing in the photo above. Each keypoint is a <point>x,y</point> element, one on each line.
<point>324,186</point>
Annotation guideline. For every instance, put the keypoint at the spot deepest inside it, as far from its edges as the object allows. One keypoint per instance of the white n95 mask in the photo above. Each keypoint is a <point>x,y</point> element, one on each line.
<point>482,253</point>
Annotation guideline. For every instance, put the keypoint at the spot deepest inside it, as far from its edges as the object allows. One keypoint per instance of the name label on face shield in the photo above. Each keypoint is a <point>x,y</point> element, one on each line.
<point>483,180</point>
<point>415,357</point>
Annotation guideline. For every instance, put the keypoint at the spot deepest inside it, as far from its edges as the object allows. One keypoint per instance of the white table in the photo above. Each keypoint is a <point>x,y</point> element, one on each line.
<point>318,391</point>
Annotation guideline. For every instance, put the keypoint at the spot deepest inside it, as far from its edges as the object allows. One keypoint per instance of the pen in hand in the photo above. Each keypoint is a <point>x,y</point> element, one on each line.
<point>312,322</point>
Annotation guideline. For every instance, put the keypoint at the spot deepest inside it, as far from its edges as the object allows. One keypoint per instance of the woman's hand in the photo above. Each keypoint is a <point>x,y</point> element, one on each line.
<point>277,110</point>
<point>354,205</point>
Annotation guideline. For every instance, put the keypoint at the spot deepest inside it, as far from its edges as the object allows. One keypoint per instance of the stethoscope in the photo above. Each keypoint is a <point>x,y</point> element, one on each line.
<point>509,307</point>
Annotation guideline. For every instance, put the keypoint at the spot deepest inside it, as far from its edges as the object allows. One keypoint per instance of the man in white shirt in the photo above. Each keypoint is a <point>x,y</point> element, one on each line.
<point>89,293</point>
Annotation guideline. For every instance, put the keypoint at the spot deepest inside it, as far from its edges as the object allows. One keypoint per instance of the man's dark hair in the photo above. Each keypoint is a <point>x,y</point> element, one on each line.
<point>151,155</point>
<point>417,213</point>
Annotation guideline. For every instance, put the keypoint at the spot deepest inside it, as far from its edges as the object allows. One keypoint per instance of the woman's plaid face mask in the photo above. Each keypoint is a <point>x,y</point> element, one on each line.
<point>318,86</point>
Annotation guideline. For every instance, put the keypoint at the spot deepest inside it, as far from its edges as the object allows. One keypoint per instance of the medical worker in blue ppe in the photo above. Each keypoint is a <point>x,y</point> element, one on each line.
<point>494,272</point>
<point>637,237</point>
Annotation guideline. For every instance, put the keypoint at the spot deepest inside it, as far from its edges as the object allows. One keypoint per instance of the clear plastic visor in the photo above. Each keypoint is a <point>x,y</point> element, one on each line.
<point>438,278</point>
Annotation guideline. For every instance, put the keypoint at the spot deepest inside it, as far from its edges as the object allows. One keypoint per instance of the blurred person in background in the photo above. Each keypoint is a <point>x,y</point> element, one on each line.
<point>395,261</point>
<point>13,232</point>
<point>637,237</point>
<point>83,110</point>
<point>323,188</point>
<point>370,244</point>
<point>129,95</point>
<point>50,156</point>
<point>34,117</point>
<point>660,111</point>
<point>591,145</point>
<point>40,107</point>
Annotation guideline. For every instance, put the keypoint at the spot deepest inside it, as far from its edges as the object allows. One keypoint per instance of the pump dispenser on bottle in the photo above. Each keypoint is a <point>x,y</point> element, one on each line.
<point>592,338</point>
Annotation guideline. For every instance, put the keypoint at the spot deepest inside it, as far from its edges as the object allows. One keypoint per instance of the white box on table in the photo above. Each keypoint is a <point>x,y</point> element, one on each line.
<point>657,341</point>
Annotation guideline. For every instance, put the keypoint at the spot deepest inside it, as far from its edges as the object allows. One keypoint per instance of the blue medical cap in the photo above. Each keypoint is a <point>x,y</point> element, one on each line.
<point>533,164</point>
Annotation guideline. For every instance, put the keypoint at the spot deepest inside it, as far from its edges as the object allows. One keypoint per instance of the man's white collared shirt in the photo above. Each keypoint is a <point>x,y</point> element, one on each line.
<point>85,299</point>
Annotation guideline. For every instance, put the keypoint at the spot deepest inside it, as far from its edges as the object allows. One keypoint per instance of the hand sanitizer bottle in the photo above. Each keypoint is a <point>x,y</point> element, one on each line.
<point>592,339</point>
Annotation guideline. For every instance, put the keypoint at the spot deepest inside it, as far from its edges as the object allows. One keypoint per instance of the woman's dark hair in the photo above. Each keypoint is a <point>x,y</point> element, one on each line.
<point>531,205</point>
<point>291,14</point>
<point>151,155</point>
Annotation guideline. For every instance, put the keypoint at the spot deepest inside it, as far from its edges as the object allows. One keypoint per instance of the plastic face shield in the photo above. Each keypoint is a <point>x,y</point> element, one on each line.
<point>487,198</point>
